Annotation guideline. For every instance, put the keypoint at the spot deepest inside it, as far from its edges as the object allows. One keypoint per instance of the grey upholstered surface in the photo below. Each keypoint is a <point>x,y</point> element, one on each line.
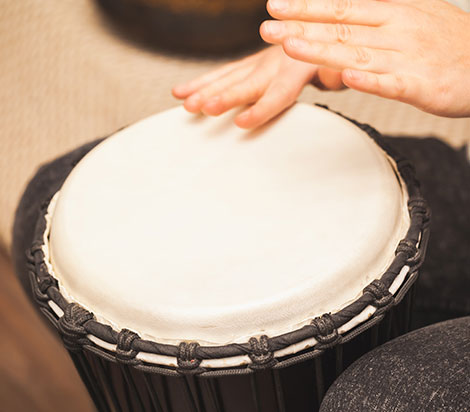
<point>422,371</point>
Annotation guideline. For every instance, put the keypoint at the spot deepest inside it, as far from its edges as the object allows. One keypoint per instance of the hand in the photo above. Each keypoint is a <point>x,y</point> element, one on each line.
<point>269,79</point>
<point>415,51</point>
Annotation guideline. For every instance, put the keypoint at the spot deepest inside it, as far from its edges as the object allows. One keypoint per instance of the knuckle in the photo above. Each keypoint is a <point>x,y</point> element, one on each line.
<point>399,86</point>
<point>299,29</point>
<point>285,92</point>
<point>283,89</point>
<point>362,56</point>
<point>377,84</point>
<point>443,96</point>
<point>341,9</point>
<point>305,6</point>
<point>343,33</point>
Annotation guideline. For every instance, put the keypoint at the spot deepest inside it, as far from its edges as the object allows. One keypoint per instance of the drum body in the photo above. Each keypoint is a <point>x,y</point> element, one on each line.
<point>178,298</point>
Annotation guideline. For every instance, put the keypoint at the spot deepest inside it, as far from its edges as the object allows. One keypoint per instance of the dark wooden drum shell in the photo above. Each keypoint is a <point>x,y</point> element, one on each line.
<point>190,26</point>
<point>296,388</point>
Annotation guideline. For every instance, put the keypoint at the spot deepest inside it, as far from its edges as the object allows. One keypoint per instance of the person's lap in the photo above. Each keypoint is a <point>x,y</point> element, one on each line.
<point>384,378</point>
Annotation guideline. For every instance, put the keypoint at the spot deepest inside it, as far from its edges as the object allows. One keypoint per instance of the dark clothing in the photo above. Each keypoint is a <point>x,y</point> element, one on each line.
<point>425,370</point>
<point>443,290</point>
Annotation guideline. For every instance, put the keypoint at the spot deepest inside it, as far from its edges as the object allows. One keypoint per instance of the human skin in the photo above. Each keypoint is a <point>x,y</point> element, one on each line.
<point>414,51</point>
<point>269,81</point>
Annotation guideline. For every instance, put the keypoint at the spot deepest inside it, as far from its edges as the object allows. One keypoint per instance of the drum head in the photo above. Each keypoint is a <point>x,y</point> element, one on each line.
<point>183,227</point>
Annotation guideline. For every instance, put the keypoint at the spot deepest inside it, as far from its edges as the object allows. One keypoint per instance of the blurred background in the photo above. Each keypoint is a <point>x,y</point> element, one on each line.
<point>75,70</point>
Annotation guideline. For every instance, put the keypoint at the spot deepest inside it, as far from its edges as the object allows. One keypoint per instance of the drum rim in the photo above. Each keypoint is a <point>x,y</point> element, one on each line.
<point>80,330</point>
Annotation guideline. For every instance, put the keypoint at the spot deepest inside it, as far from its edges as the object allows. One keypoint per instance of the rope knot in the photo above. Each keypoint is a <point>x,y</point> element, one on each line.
<point>188,362</point>
<point>44,283</point>
<point>72,328</point>
<point>379,291</point>
<point>40,296</point>
<point>403,163</point>
<point>326,332</point>
<point>36,247</point>
<point>260,353</point>
<point>124,351</point>
<point>419,206</point>
<point>408,248</point>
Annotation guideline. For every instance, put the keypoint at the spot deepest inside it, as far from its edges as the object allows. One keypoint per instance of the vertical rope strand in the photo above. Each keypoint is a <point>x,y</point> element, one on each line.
<point>157,406</point>
<point>131,384</point>
<point>214,384</point>
<point>84,373</point>
<point>319,381</point>
<point>339,359</point>
<point>374,336</point>
<point>106,379</point>
<point>254,392</point>
<point>166,393</point>
<point>194,405</point>
<point>281,406</point>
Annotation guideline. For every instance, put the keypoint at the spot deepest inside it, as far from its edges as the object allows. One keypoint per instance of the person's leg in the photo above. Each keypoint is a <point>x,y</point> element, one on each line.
<point>444,280</point>
<point>424,370</point>
<point>43,185</point>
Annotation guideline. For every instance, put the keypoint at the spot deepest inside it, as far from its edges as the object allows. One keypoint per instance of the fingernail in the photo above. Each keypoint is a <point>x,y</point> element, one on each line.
<point>279,5</point>
<point>272,27</point>
<point>354,74</point>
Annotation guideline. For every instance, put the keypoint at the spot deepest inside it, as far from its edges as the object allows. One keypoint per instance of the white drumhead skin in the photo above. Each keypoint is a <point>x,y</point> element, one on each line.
<point>185,227</point>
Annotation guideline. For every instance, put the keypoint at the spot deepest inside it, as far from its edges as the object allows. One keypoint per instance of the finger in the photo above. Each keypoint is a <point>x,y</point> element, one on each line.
<point>341,56</point>
<point>198,99</point>
<point>328,79</point>
<point>278,97</point>
<point>276,31</point>
<point>368,12</point>
<point>183,90</point>
<point>390,85</point>
<point>239,94</point>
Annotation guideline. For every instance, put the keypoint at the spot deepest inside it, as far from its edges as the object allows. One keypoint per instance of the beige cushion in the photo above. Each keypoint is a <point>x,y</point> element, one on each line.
<point>65,79</point>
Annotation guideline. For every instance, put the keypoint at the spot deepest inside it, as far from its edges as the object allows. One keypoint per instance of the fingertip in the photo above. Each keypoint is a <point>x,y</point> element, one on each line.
<point>268,31</point>
<point>245,120</point>
<point>179,91</point>
<point>213,107</point>
<point>263,32</point>
<point>354,79</point>
<point>353,75</point>
<point>277,8</point>
<point>193,103</point>
<point>295,47</point>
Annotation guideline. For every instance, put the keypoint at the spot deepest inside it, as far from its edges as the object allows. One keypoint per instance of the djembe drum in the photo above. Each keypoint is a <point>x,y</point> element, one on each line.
<point>193,266</point>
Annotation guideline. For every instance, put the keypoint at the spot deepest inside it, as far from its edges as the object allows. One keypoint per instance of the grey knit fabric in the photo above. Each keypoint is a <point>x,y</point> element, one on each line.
<point>425,370</point>
<point>444,283</point>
